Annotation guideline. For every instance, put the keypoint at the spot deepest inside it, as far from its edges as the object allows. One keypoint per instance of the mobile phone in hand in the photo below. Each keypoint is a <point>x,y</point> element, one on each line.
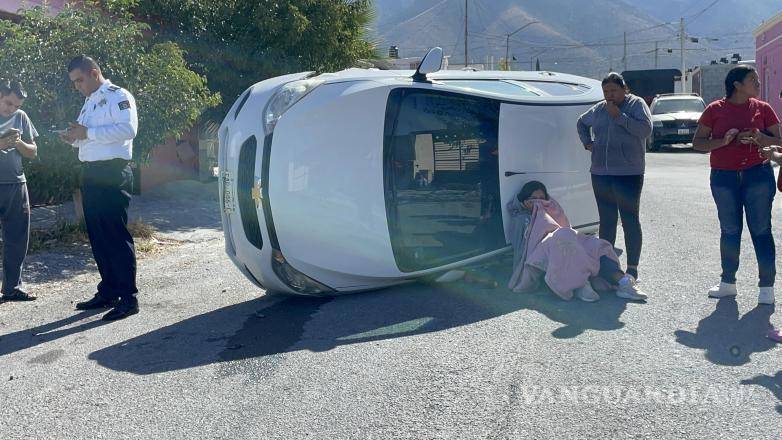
<point>10,132</point>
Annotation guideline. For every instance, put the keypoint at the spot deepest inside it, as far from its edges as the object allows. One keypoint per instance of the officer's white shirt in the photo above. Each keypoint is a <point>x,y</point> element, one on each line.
<point>112,122</point>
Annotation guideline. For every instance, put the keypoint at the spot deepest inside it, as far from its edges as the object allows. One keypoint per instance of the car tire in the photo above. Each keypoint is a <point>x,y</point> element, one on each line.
<point>652,147</point>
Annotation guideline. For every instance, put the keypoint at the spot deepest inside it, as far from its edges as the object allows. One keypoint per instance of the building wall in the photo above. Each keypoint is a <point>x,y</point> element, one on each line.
<point>768,41</point>
<point>709,80</point>
<point>173,160</point>
<point>13,6</point>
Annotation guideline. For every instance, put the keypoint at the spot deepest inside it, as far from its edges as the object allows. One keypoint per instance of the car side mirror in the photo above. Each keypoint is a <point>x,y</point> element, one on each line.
<point>432,62</point>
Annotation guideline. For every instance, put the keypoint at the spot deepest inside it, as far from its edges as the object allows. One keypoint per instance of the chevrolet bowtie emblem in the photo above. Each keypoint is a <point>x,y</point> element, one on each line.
<point>256,193</point>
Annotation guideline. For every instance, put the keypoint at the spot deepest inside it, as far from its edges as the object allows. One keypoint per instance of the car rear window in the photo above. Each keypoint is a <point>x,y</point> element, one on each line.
<point>551,88</point>
<point>498,87</point>
<point>513,88</point>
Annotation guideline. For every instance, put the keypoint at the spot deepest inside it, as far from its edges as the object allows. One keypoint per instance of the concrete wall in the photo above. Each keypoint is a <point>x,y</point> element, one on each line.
<point>173,160</point>
<point>710,80</point>
<point>768,42</point>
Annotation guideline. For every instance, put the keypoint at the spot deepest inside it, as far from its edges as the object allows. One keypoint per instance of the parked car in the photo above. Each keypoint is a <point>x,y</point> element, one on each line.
<point>363,179</point>
<point>674,119</point>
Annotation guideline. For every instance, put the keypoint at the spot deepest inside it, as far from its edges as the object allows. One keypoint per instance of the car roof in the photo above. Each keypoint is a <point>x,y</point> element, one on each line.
<point>355,74</point>
<point>679,97</point>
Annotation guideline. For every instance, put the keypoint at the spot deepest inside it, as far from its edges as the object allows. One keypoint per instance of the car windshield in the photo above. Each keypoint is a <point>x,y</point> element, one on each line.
<point>442,177</point>
<point>677,105</point>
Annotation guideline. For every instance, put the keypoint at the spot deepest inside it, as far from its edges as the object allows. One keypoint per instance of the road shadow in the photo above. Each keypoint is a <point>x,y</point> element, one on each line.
<point>180,206</point>
<point>677,149</point>
<point>31,337</point>
<point>60,263</point>
<point>771,383</point>
<point>182,210</point>
<point>278,324</point>
<point>727,339</point>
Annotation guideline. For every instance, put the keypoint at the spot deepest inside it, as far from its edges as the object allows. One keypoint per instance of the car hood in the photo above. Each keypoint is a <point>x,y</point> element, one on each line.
<point>678,116</point>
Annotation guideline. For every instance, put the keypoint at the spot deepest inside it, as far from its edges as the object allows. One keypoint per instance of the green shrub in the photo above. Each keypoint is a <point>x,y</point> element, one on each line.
<point>36,51</point>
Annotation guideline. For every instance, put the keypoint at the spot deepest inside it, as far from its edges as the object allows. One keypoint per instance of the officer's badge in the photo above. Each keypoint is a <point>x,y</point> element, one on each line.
<point>102,102</point>
<point>124,105</point>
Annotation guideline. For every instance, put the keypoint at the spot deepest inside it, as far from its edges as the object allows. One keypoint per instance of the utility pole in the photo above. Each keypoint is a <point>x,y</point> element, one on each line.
<point>655,54</point>
<point>684,65</point>
<point>507,50</point>
<point>465,34</point>
<point>624,58</point>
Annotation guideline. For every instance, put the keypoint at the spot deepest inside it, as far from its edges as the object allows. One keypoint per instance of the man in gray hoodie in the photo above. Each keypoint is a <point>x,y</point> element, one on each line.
<point>615,131</point>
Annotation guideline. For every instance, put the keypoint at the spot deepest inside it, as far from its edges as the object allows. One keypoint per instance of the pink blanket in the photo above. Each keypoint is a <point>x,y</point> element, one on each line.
<point>557,254</point>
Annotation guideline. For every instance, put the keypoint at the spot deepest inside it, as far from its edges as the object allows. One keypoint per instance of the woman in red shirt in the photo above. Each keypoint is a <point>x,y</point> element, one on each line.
<point>742,180</point>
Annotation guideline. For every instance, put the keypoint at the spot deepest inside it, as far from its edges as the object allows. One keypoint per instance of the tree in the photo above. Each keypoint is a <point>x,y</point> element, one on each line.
<point>503,64</point>
<point>170,97</point>
<point>236,43</point>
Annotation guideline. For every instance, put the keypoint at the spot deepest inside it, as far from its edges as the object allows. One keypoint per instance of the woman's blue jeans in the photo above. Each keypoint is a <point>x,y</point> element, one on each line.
<point>747,192</point>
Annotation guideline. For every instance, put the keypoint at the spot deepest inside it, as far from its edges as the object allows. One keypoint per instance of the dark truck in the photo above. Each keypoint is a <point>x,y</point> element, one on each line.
<point>651,82</point>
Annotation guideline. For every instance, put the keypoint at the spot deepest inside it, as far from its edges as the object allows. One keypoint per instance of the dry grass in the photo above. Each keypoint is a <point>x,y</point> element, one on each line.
<point>70,235</point>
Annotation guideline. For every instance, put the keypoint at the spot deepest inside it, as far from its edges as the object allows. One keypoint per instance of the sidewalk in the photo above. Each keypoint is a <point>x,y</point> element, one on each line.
<point>184,210</point>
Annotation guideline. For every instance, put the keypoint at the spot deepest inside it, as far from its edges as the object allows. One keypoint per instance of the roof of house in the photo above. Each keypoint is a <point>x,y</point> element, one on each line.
<point>768,24</point>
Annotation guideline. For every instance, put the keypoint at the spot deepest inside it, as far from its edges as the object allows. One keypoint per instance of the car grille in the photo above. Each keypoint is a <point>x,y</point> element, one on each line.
<point>245,182</point>
<point>681,124</point>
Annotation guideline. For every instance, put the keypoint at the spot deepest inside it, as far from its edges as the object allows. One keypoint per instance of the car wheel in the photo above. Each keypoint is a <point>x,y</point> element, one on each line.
<point>652,146</point>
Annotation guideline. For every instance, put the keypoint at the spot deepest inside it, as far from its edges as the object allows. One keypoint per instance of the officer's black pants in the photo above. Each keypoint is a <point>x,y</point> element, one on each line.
<point>105,190</point>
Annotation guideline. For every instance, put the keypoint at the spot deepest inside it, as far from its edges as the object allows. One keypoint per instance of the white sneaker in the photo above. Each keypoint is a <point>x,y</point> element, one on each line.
<point>722,290</point>
<point>587,293</point>
<point>766,295</point>
<point>628,289</point>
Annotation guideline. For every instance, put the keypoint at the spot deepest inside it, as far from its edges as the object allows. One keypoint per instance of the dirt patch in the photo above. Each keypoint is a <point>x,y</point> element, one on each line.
<point>74,235</point>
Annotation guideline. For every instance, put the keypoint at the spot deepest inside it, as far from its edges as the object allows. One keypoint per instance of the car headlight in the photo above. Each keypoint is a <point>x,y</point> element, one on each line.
<point>284,98</point>
<point>657,123</point>
<point>296,280</point>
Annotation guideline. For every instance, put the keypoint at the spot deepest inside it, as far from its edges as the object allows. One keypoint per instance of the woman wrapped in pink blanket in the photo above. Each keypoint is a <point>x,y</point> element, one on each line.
<point>547,250</point>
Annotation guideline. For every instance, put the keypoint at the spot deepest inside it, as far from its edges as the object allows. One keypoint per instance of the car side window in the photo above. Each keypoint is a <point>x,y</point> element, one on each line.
<point>442,177</point>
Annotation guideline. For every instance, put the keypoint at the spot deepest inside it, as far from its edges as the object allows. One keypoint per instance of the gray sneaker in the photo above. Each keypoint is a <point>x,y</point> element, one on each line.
<point>629,289</point>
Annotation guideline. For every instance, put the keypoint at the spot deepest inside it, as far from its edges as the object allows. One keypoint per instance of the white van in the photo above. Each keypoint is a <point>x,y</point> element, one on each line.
<point>363,179</point>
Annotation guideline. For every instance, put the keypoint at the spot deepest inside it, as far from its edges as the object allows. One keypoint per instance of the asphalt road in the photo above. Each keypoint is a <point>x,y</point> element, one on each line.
<point>210,356</point>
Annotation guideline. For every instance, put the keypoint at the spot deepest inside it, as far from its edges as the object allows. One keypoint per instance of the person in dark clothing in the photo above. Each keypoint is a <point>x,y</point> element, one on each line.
<point>17,140</point>
<point>615,131</point>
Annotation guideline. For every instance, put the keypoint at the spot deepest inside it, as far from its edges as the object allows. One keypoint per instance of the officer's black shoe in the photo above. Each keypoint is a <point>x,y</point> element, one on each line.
<point>97,302</point>
<point>122,310</point>
<point>18,295</point>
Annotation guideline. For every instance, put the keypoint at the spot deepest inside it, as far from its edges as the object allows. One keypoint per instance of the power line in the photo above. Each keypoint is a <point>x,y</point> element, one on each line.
<point>696,16</point>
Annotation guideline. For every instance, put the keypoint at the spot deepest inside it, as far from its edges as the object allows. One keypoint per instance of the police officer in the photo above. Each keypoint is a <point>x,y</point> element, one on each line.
<point>17,140</point>
<point>104,134</point>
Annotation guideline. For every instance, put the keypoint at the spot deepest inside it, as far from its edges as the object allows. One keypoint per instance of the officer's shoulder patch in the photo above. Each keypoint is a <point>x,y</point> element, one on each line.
<point>124,105</point>
<point>114,88</point>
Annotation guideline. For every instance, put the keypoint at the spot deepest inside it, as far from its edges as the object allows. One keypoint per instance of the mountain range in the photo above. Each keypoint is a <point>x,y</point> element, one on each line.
<point>586,37</point>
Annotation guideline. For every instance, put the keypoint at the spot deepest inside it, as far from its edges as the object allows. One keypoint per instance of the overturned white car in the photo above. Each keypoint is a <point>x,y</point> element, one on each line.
<point>363,179</point>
